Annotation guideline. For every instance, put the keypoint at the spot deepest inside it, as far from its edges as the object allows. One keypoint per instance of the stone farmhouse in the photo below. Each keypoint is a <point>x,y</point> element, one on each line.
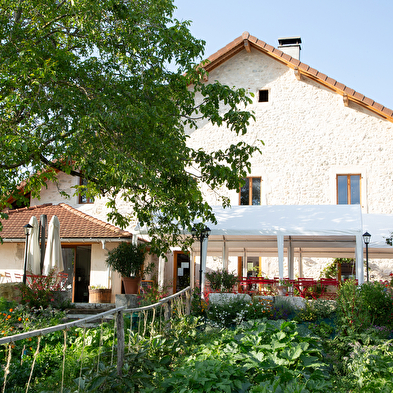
<point>324,144</point>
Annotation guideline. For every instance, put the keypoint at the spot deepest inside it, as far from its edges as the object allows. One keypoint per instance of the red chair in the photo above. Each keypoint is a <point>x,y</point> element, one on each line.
<point>326,283</point>
<point>18,277</point>
<point>8,277</point>
<point>61,281</point>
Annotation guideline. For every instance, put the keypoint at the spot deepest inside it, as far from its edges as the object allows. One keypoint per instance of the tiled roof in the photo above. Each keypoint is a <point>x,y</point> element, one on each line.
<point>74,224</point>
<point>247,41</point>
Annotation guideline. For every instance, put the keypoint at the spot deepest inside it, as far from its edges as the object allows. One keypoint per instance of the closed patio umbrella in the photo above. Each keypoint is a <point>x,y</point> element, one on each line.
<point>33,250</point>
<point>53,255</point>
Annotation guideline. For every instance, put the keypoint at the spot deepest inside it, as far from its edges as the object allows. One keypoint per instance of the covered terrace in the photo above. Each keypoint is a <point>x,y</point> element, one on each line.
<point>286,230</point>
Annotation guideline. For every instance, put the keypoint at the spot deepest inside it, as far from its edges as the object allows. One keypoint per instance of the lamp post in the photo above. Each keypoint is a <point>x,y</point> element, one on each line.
<point>203,234</point>
<point>366,238</point>
<point>27,228</point>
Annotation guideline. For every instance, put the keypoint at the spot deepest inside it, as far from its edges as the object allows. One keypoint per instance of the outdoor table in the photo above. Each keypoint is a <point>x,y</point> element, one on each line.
<point>326,282</point>
<point>303,285</point>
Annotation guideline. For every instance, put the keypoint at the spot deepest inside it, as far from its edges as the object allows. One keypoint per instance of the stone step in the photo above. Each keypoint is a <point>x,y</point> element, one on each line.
<point>84,310</point>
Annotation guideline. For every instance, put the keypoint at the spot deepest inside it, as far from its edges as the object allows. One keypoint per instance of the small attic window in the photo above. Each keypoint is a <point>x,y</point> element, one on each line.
<point>263,96</point>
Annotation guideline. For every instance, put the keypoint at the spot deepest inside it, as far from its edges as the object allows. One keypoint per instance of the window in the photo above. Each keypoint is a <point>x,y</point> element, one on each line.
<point>348,189</point>
<point>250,193</point>
<point>263,96</point>
<point>83,198</point>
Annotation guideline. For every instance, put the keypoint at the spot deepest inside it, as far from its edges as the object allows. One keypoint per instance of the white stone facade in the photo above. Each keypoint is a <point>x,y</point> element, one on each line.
<point>310,137</point>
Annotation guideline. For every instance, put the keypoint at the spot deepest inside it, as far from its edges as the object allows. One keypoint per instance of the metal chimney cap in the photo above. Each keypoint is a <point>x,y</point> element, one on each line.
<point>289,41</point>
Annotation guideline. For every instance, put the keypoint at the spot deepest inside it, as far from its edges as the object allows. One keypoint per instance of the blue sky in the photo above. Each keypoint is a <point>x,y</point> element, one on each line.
<point>348,40</point>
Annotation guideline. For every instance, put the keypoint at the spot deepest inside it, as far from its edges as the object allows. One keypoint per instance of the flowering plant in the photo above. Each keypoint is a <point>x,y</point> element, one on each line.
<point>39,291</point>
<point>151,295</point>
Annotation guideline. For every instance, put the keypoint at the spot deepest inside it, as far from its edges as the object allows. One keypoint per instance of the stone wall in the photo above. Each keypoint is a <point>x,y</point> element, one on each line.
<point>309,136</point>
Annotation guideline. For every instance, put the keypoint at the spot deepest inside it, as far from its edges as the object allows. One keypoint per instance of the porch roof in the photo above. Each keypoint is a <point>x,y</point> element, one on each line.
<point>74,224</point>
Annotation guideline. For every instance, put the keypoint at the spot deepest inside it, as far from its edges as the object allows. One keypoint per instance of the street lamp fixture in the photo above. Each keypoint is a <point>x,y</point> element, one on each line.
<point>27,228</point>
<point>201,236</point>
<point>366,239</point>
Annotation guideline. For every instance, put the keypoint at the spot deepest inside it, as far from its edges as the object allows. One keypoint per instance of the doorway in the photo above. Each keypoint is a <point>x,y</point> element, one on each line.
<point>77,264</point>
<point>181,274</point>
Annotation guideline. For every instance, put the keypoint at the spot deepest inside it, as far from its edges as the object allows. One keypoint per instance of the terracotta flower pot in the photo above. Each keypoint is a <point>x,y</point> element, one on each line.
<point>131,285</point>
<point>282,290</point>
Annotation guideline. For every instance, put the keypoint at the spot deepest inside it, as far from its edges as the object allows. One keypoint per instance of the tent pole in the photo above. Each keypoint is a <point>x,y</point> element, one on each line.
<point>280,247</point>
<point>291,267</point>
<point>244,263</point>
<point>300,263</point>
<point>224,256</point>
<point>359,259</point>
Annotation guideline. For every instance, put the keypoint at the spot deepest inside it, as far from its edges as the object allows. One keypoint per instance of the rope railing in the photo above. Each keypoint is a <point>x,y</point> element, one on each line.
<point>143,322</point>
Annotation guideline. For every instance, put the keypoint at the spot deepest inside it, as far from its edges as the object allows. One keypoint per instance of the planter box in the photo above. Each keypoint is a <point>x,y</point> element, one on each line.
<point>100,295</point>
<point>224,297</point>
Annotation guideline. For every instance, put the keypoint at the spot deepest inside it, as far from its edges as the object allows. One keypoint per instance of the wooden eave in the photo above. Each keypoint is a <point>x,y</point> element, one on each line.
<point>246,42</point>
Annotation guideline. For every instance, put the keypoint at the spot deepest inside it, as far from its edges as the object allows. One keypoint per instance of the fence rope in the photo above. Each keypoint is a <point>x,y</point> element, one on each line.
<point>99,348</point>
<point>152,324</point>
<point>113,341</point>
<point>7,368</point>
<point>83,348</point>
<point>33,364</point>
<point>144,323</point>
<point>166,308</point>
<point>64,357</point>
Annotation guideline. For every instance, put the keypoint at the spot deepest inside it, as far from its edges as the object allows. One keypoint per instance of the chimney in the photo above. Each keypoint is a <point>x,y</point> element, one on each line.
<point>290,46</point>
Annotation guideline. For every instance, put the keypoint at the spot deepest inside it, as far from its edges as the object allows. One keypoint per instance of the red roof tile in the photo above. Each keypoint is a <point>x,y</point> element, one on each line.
<point>74,224</point>
<point>238,44</point>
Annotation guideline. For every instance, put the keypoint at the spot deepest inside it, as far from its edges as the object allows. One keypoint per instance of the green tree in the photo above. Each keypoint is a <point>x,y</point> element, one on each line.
<point>105,90</point>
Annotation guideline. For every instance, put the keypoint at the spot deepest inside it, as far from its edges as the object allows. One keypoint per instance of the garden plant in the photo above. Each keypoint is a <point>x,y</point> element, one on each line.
<point>257,345</point>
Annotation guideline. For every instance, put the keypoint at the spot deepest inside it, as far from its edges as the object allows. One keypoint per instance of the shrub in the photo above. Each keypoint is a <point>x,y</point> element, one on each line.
<point>215,280</point>
<point>371,367</point>
<point>222,280</point>
<point>228,280</point>
<point>360,307</point>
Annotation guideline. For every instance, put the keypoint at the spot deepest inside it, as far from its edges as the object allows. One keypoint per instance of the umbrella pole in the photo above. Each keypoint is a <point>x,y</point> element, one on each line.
<point>43,220</point>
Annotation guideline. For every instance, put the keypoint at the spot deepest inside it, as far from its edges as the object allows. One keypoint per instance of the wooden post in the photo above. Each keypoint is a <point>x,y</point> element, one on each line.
<point>120,342</point>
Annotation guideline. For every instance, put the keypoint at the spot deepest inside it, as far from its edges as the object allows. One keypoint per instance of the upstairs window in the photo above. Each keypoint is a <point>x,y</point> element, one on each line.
<point>263,96</point>
<point>250,193</point>
<point>82,197</point>
<point>348,189</point>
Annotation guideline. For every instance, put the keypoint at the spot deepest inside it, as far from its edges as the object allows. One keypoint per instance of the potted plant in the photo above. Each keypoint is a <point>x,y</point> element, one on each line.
<point>128,259</point>
<point>99,294</point>
<point>282,287</point>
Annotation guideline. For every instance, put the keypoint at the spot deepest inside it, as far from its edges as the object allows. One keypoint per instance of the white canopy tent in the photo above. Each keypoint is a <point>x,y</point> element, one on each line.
<point>380,226</point>
<point>322,230</point>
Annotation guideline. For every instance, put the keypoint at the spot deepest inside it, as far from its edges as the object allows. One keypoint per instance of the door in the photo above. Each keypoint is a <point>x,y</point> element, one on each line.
<point>181,276</point>
<point>77,263</point>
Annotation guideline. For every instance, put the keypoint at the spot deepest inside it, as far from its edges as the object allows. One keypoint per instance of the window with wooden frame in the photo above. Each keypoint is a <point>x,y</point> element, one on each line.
<point>83,198</point>
<point>250,193</point>
<point>348,189</point>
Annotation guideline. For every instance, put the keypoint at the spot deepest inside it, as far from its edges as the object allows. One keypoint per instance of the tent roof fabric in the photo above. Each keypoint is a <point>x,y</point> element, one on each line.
<point>288,220</point>
<point>380,226</point>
